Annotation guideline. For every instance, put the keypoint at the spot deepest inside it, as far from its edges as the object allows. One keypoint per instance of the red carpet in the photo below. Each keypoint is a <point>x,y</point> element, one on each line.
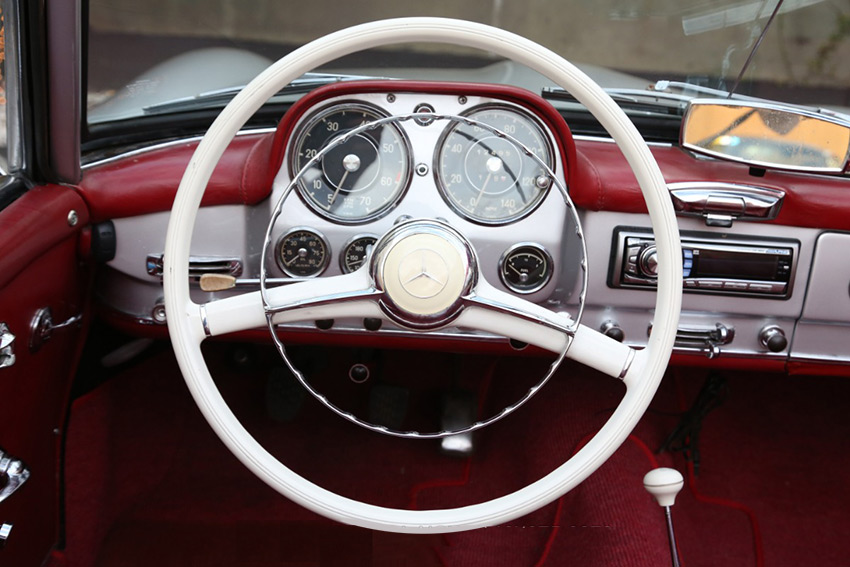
<point>149,484</point>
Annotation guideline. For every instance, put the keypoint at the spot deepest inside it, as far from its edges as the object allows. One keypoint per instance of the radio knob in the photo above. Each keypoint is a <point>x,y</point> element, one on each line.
<point>648,261</point>
<point>773,338</point>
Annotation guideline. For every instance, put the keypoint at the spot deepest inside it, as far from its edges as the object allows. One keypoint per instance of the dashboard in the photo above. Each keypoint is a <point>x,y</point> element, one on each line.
<point>350,160</point>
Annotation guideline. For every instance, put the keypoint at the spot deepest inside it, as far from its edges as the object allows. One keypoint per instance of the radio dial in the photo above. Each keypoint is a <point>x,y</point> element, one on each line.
<point>648,261</point>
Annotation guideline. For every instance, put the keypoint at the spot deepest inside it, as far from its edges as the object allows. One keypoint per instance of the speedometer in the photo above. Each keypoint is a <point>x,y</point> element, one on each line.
<point>360,177</point>
<point>484,175</point>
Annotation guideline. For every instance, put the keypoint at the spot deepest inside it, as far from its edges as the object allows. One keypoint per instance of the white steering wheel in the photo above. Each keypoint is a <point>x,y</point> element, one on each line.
<point>466,300</point>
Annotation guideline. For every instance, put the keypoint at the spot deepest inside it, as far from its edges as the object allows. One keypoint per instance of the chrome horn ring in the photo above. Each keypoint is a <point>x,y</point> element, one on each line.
<point>423,274</point>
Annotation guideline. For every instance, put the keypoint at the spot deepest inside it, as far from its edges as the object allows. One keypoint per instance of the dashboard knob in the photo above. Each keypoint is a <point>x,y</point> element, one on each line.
<point>773,338</point>
<point>613,330</point>
<point>648,261</point>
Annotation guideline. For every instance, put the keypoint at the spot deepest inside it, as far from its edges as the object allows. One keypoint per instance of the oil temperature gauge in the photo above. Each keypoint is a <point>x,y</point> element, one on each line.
<point>355,253</point>
<point>525,268</point>
<point>303,253</point>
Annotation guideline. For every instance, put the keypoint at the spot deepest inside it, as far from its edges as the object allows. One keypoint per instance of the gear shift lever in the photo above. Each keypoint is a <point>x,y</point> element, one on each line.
<point>664,484</point>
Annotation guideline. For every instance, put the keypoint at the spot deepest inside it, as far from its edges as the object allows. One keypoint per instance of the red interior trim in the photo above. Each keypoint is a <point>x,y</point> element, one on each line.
<point>35,223</point>
<point>604,181</point>
<point>147,182</point>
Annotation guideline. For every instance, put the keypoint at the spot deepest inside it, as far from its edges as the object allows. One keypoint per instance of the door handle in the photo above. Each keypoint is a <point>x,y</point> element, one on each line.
<point>15,473</point>
<point>7,346</point>
<point>42,327</point>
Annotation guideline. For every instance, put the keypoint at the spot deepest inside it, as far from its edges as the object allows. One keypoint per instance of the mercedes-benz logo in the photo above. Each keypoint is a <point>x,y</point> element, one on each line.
<point>423,273</point>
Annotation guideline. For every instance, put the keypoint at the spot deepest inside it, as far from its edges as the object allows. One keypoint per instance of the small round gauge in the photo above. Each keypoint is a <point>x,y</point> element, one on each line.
<point>525,268</point>
<point>303,253</point>
<point>355,253</point>
<point>359,179</point>
<point>487,178</point>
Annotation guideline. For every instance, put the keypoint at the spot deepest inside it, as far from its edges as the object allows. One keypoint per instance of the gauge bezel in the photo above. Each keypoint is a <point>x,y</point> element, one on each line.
<point>310,120</point>
<point>279,245</point>
<point>511,251</point>
<point>349,242</point>
<point>550,162</point>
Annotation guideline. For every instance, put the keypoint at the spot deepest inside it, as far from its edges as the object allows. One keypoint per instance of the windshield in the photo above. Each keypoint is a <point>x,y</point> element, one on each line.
<point>145,55</point>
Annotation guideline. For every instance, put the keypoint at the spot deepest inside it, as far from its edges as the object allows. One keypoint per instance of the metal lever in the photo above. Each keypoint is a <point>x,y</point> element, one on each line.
<point>42,327</point>
<point>707,340</point>
<point>7,346</point>
<point>15,473</point>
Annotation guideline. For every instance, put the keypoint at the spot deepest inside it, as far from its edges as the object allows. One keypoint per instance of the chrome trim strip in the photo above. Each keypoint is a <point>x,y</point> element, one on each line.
<point>607,140</point>
<point>203,310</point>
<point>628,364</point>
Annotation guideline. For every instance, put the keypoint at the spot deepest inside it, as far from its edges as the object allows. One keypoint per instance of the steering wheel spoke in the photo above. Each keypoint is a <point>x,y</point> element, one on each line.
<point>492,310</point>
<point>495,311</point>
<point>349,295</point>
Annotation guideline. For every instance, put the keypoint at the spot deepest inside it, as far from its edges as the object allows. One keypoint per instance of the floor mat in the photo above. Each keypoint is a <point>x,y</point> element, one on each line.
<point>149,484</point>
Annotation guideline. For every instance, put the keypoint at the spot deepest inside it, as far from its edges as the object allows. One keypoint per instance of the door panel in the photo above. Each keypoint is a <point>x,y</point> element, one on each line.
<point>39,268</point>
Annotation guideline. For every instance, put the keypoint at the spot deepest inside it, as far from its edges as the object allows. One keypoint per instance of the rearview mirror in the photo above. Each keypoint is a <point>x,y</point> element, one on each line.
<point>766,135</point>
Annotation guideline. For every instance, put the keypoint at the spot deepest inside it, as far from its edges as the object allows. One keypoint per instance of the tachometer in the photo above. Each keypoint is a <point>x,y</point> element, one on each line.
<point>359,179</point>
<point>486,177</point>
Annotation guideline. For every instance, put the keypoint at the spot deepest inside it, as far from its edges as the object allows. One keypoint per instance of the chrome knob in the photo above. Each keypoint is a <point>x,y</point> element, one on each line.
<point>773,338</point>
<point>648,261</point>
<point>613,330</point>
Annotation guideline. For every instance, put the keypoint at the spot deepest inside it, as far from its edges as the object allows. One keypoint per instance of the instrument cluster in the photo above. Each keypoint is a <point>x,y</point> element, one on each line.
<point>359,162</point>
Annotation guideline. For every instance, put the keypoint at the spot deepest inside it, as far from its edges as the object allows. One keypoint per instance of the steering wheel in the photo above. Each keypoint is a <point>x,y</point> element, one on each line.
<point>465,299</point>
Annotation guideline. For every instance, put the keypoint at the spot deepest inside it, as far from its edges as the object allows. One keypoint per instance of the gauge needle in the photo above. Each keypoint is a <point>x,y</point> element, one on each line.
<point>511,266</point>
<point>350,163</point>
<point>302,252</point>
<point>338,188</point>
<point>483,188</point>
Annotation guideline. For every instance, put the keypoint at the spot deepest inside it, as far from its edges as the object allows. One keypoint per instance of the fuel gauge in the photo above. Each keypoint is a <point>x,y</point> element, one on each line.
<point>525,267</point>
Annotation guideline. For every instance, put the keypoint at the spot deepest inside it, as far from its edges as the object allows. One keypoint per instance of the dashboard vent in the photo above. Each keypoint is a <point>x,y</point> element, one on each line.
<point>198,266</point>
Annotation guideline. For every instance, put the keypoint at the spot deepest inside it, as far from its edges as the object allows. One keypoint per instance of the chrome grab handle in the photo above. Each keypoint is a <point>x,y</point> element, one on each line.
<point>722,203</point>
<point>15,473</point>
<point>7,346</point>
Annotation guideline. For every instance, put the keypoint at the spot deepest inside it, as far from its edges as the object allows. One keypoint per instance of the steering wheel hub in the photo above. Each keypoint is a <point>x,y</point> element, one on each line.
<point>424,269</point>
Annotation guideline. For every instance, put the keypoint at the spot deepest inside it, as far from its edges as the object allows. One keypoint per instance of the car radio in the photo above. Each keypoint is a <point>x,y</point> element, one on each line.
<point>709,264</point>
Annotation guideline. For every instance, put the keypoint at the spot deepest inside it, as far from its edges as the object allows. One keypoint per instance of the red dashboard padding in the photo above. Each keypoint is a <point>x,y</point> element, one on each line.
<point>526,99</point>
<point>602,180</point>
<point>147,182</point>
<point>35,223</point>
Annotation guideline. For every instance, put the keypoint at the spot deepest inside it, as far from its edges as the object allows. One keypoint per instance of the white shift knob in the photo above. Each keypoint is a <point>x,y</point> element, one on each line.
<point>664,484</point>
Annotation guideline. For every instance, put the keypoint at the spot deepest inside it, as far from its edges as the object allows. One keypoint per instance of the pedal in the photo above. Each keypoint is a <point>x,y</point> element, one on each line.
<point>686,435</point>
<point>284,395</point>
<point>388,405</point>
<point>459,409</point>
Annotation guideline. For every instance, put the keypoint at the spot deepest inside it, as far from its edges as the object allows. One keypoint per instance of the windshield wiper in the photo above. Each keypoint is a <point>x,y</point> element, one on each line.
<point>219,98</point>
